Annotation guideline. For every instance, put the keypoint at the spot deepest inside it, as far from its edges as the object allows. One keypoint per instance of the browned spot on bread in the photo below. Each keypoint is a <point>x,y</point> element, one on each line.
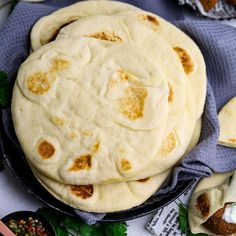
<point>57,30</point>
<point>95,147</point>
<point>57,121</point>
<point>233,140</point>
<point>108,36</point>
<point>39,83</point>
<point>112,83</point>
<point>218,226</point>
<point>208,4</point>
<point>150,19</point>
<point>72,135</point>
<point>132,104</point>
<point>203,204</point>
<point>171,93</point>
<point>59,65</point>
<point>83,191</point>
<point>81,163</point>
<point>125,164</point>
<point>126,76</point>
<point>143,180</point>
<point>186,60</point>
<point>46,149</point>
<point>169,144</point>
<point>87,133</point>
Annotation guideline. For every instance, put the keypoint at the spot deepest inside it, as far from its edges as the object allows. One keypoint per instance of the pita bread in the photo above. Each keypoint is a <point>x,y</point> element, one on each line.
<point>196,136</point>
<point>105,197</point>
<point>64,16</point>
<point>105,111</point>
<point>209,196</point>
<point>188,52</point>
<point>130,30</point>
<point>178,141</point>
<point>82,129</point>
<point>227,117</point>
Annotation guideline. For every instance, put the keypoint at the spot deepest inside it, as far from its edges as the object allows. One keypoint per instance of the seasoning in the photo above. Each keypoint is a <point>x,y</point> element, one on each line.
<point>28,227</point>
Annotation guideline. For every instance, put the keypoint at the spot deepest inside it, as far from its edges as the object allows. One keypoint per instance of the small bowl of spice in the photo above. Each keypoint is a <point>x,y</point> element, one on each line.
<point>27,223</point>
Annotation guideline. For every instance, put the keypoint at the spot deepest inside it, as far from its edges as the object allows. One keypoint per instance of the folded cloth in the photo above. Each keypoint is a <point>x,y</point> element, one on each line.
<point>217,43</point>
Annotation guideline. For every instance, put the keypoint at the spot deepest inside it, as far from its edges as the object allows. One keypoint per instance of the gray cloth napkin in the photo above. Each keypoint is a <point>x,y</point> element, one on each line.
<point>218,44</point>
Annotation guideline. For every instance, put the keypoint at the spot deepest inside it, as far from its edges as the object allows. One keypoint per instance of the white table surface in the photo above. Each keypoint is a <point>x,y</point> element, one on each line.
<point>14,198</point>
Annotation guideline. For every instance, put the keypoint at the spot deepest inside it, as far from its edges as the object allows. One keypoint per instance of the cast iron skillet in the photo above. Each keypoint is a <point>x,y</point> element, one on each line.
<point>21,170</point>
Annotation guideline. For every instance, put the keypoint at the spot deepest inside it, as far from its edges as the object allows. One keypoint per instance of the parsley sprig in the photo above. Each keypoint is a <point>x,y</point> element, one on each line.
<point>70,226</point>
<point>183,222</point>
<point>4,90</point>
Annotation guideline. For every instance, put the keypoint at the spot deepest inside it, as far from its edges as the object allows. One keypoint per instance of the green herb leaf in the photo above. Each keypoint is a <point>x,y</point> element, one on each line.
<point>77,227</point>
<point>4,90</point>
<point>87,230</point>
<point>183,218</point>
<point>72,223</point>
<point>115,229</point>
<point>68,225</point>
<point>52,217</point>
<point>183,222</point>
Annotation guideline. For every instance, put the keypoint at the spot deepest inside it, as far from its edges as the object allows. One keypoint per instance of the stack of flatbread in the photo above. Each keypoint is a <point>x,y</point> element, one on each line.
<point>108,102</point>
